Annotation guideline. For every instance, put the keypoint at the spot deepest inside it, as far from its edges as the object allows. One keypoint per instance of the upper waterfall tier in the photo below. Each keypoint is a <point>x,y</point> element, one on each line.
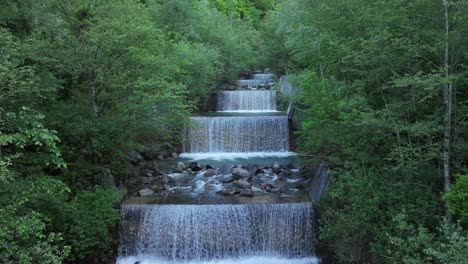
<point>204,232</point>
<point>238,134</point>
<point>245,101</point>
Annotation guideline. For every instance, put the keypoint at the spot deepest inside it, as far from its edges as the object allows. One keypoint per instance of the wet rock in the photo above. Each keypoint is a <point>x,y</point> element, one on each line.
<point>275,190</point>
<point>243,184</point>
<point>267,186</point>
<point>239,173</point>
<point>181,165</point>
<point>190,172</point>
<point>256,189</point>
<point>195,166</point>
<point>175,155</point>
<point>166,179</point>
<point>177,170</point>
<point>135,157</point>
<point>228,192</point>
<point>147,180</point>
<point>208,166</point>
<point>276,168</point>
<point>209,173</point>
<point>258,171</point>
<point>149,173</point>
<point>246,193</point>
<point>158,187</point>
<point>228,179</point>
<point>290,166</point>
<point>145,192</point>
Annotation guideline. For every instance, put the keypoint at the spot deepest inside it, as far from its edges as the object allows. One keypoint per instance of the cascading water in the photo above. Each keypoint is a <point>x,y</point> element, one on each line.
<point>239,134</point>
<point>245,233</point>
<point>247,101</point>
<point>203,233</point>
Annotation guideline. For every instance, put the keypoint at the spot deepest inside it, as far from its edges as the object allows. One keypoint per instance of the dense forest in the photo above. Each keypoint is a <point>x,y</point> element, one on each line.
<point>383,99</point>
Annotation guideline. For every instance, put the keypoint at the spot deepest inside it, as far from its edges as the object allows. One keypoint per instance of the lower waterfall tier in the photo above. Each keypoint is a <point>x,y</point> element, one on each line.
<point>210,232</point>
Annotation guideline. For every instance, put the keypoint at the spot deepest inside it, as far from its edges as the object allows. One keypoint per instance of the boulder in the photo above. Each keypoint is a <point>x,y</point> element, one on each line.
<point>147,180</point>
<point>181,165</point>
<point>228,192</point>
<point>145,192</point>
<point>243,184</point>
<point>228,179</point>
<point>177,170</point>
<point>209,173</point>
<point>166,179</point>
<point>246,193</point>
<point>239,173</point>
<point>135,157</point>
<point>175,155</point>
<point>195,166</point>
<point>208,166</point>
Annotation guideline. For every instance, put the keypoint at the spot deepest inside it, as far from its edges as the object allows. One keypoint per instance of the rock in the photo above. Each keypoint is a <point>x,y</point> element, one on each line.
<point>160,157</point>
<point>135,157</point>
<point>209,173</point>
<point>290,166</point>
<point>246,193</point>
<point>166,179</point>
<point>177,170</point>
<point>259,171</point>
<point>228,179</point>
<point>149,173</point>
<point>147,180</point>
<point>195,166</point>
<point>276,167</point>
<point>190,172</point>
<point>208,166</point>
<point>243,184</point>
<point>239,173</point>
<point>145,192</point>
<point>181,165</point>
<point>228,192</point>
<point>275,190</point>
<point>158,187</point>
<point>174,155</point>
<point>267,186</point>
<point>256,189</point>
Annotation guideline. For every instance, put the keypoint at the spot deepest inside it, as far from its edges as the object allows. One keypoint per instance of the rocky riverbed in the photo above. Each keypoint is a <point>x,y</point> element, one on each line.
<point>192,179</point>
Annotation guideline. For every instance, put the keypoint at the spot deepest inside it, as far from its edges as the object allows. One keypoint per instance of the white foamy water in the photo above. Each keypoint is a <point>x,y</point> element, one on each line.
<point>247,101</point>
<point>238,134</point>
<point>236,155</point>
<point>244,260</point>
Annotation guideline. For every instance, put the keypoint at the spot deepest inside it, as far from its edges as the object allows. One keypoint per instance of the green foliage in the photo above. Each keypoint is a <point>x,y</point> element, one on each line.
<point>372,78</point>
<point>457,198</point>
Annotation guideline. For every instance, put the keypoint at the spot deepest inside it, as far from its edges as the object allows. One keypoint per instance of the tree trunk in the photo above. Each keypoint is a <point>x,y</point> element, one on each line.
<point>448,94</point>
<point>93,91</point>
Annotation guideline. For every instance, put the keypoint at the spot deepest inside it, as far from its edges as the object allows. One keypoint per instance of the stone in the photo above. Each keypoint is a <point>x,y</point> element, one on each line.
<point>208,166</point>
<point>246,193</point>
<point>166,179</point>
<point>259,171</point>
<point>195,166</point>
<point>145,192</point>
<point>181,165</point>
<point>174,155</point>
<point>276,168</point>
<point>243,184</point>
<point>209,173</point>
<point>228,192</point>
<point>135,157</point>
<point>147,180</point>
<point>239,173</point>
<point>228,179</point>
<point>177,170</point>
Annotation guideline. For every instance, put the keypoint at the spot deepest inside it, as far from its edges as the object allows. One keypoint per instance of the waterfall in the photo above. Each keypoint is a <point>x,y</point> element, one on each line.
<point>238,134</point>
<point>207,232</point>
<point>232,101</point>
